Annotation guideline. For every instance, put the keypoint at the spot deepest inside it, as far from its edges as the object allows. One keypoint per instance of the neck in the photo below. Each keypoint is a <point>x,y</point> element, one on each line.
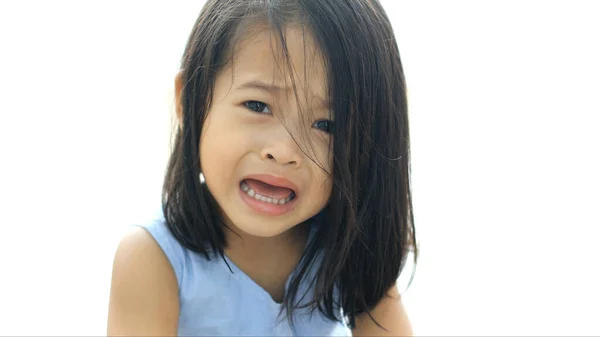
<point>291,242</point>
<point>267,261</point>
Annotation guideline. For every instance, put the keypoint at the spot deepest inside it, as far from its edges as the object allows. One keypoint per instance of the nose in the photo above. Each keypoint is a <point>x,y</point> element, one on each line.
<point>283,151</point>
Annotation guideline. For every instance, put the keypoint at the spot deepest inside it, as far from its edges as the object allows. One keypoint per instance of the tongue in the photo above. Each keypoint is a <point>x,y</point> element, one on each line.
<point>267,190</point>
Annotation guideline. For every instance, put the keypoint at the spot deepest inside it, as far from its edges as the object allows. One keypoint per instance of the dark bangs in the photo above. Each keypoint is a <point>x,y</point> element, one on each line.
<point>368,228</point>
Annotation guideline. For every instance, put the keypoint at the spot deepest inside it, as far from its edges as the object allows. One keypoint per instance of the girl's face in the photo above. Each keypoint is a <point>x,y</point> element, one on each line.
<point>260,135</point>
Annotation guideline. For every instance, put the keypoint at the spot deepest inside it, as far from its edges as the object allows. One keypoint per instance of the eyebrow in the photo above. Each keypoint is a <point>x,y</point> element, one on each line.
<point>275,89</point>
<point>272,88</point>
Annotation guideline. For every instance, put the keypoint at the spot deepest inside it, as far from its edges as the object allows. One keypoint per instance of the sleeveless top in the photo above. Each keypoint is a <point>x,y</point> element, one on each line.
<point>213,301</point>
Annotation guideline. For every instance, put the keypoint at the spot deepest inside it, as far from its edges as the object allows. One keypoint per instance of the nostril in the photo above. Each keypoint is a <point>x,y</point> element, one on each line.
<point>280,159</point>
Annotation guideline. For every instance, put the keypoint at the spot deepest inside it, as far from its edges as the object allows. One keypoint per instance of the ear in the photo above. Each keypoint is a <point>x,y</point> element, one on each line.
<point>178,94</point>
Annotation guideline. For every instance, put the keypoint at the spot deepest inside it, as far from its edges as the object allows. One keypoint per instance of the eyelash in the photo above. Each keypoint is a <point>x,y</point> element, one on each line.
<point>248,103</point>
<point>326,125</point>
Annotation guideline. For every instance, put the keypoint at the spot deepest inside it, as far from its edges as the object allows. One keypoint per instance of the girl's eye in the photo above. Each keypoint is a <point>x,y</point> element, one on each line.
<point>257,106</point>
<point>325,125</point>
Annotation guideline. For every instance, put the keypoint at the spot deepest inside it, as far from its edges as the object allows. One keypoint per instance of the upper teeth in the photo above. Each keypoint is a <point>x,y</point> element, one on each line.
<point>270,200</point>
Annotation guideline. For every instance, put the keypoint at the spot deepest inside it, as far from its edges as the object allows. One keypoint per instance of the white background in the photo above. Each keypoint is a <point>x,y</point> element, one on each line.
<point>504,105</point>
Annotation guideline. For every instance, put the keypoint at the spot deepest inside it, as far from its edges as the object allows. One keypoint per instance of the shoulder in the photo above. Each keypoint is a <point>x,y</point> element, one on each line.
<point>389,313</point>
<point>144,291</point>
<point>159,234</point>
<point>140,247</point>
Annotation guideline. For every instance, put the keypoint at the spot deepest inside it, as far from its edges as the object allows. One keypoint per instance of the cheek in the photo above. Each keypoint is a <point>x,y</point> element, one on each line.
<point>214,136</point>
<point>323,178</point>
<point>215,148</point>
<point>226,128</point>
<point>323,191</point>
<point>206,138</point>
<point>224,141</point>
<point>326,157</point>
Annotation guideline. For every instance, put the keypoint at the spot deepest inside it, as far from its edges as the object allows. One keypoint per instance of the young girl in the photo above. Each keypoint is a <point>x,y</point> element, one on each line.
<point>286,207</point>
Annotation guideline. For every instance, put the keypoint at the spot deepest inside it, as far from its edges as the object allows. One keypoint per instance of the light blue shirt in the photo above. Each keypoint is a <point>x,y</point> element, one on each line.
<point>216,302</point>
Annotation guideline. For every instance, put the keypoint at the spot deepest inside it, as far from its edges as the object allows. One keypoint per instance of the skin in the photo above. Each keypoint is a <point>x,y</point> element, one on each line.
<point>144,295</point>
<point>236,141</point>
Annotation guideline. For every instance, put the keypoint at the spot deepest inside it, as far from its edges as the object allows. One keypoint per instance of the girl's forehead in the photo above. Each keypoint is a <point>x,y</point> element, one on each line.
<point>259,61</point>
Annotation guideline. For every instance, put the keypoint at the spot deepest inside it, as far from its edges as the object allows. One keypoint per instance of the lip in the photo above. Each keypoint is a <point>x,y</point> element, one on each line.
<point>267,208</point>
<point>275,181</point>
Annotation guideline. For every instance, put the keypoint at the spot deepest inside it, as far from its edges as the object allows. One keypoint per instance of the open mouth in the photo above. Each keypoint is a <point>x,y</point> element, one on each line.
<point>267,193</point>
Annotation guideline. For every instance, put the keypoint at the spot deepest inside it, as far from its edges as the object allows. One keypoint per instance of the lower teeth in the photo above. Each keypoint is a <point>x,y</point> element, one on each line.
<point>262,198</point>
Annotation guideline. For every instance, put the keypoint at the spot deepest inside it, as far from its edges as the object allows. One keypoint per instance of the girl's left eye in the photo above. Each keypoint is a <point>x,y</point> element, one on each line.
<point>325,125</point>
<point>257,106</point>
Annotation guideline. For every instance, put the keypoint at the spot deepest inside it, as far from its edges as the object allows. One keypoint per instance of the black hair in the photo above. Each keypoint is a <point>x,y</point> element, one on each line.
<point>369,231</point>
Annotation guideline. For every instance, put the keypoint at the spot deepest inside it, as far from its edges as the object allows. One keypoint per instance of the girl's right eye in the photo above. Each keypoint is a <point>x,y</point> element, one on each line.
<point>258,107</point>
